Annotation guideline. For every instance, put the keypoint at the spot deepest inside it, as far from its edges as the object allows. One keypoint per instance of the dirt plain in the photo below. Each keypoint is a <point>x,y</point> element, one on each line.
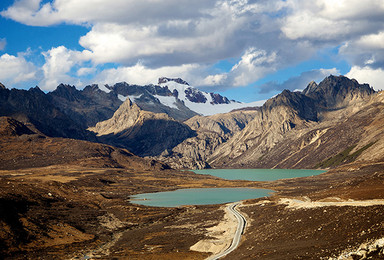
<point>59,204</point>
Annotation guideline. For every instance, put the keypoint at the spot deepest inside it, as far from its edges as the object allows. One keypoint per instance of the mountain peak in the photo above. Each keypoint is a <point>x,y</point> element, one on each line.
<point>335,91</point>
<point>177,80</point>
<point>2,86</point>
<point>310,88</point>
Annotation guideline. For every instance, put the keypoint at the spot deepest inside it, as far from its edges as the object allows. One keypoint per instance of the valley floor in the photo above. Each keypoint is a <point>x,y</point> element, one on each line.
<point>68,211</point>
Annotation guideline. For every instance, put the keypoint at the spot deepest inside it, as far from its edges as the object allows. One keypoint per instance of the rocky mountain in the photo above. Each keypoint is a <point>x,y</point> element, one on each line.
<point>336,92</point>
<point>301,129</point>
<point>34,108</point>
<point>86,107</point>
<point>211,132</point>
<point>142,132</point>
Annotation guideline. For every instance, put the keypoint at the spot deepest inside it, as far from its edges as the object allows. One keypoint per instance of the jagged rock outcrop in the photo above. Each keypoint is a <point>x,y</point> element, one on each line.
<point>212,131</point>
<point>142,132</point>
<point>296,130</point>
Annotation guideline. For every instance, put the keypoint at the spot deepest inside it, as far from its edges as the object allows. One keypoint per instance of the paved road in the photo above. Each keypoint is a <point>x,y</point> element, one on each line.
<point>239,231</point>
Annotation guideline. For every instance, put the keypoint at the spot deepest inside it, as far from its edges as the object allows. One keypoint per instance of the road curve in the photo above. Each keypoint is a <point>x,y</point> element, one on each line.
<point>239,231</point>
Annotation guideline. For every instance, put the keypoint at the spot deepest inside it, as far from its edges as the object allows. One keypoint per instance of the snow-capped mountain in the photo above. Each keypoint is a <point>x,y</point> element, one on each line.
<point>175,94</point>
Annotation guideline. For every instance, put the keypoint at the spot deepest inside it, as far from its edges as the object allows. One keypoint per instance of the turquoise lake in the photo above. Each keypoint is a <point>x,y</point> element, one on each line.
<point>204,196</point>
<point>208,196</point>
<point>259,174</point>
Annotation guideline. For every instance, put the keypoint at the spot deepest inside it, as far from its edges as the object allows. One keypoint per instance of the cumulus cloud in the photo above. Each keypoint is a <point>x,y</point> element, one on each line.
<point>253,65</point>
<point>326,20</point>
<point>16,69</point>
<point>374,77</point>
<point>367,50</point>
<point>33,12</point>
<point>59,62</point>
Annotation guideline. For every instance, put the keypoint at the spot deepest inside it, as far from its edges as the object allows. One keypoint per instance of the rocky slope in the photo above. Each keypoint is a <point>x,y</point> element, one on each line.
<point>300,130</point>
<point>142,132</point>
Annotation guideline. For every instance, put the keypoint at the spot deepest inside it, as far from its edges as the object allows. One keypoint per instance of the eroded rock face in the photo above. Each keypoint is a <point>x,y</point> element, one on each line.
<point>142,132</point>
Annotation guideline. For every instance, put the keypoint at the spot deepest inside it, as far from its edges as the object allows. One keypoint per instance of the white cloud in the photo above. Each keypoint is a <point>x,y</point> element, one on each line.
<point>253,65</point>
<point>372,41</point>
<point>85,71</point>
<point>374,77</point>
<point>16,69</point>
<point>32,12</point>
<point>368,50</point>
<point>59,62</point>
<point>332,20</point>
<point>215,80</point>
<point>3,43</point>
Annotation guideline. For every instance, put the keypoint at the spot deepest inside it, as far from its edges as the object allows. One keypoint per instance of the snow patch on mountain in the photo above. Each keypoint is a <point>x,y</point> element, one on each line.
<point>122,98</point>
<point>103,88</point>
<point>168,101</point>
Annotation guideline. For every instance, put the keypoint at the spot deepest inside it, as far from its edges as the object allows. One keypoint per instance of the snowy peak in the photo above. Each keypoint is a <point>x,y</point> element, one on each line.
<point>177,80</point>
<point>199,101</point>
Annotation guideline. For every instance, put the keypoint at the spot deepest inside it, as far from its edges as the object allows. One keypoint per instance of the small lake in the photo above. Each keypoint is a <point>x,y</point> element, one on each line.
<point>259,174</point>
<point>204,196</point>
<point>220,195</point>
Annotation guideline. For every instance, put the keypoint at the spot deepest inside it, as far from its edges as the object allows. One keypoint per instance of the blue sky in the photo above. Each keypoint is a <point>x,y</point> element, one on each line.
<point>248,50</point>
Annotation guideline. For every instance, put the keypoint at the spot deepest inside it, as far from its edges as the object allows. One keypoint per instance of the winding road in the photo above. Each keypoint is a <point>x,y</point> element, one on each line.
<point>239,231</point>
